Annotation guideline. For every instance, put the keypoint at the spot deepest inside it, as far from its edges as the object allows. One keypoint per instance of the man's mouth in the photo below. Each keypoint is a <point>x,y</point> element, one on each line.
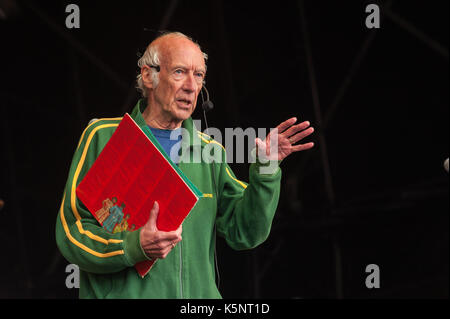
<point>184,103</point>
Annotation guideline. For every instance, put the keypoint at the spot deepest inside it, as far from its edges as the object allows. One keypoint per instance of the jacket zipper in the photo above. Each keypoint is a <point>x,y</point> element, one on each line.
<point>181,270</point>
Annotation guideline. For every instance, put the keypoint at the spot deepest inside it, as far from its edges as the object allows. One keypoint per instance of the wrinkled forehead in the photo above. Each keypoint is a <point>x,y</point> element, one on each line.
<point>181,51</point>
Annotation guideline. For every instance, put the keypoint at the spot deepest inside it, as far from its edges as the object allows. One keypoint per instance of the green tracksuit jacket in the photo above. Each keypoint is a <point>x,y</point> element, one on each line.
<point>242,212</point>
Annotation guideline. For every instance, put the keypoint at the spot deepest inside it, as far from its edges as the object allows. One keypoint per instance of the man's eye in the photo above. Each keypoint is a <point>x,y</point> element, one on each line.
<point>179,71</point>
<point>200,75</point>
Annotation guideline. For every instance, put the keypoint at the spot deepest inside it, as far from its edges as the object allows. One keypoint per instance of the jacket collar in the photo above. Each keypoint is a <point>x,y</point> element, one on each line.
<point>190,132</point>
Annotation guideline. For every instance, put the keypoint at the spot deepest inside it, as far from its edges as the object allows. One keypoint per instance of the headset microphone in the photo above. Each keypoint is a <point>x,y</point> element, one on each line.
<point>206,105</point>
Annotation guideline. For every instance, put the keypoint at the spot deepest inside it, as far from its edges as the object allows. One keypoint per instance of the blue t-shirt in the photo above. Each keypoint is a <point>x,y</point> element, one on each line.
<point>170,146</point>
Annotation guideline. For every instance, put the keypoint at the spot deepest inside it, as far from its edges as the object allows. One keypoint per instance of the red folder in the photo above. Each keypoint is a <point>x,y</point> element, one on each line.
<point>129,175</point>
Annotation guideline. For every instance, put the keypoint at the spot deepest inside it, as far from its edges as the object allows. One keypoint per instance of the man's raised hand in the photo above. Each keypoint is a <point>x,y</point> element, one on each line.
<point>280,142</point>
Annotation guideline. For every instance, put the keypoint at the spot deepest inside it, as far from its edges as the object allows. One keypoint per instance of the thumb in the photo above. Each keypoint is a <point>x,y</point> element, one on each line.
<point>260,144</point>
<point>153,216</point>
<point>261,148</point>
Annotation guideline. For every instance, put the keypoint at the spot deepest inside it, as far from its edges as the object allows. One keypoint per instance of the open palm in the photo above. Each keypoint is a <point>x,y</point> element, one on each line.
<point>280,142</point>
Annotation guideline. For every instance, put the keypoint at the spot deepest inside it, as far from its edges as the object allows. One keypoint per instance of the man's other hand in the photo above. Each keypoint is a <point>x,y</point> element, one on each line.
<point>155,243</point>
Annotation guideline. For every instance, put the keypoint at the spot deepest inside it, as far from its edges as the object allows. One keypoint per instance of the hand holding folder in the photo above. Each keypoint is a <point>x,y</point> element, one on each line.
<point>156,243</point>
<point>130,174</point>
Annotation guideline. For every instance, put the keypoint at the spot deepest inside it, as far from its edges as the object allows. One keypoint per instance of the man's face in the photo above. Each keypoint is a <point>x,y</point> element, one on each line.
<point>180,78</point>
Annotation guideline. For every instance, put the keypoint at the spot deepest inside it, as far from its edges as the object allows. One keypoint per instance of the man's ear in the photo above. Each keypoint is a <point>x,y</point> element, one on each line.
<point>147,79</point>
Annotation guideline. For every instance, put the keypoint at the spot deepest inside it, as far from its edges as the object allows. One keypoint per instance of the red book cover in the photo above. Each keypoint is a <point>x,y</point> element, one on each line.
<point>128,176</point>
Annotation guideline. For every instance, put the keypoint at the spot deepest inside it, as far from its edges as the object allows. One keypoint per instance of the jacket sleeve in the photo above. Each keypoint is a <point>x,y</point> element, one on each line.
<point>79,237</point>
<point>246,211</point>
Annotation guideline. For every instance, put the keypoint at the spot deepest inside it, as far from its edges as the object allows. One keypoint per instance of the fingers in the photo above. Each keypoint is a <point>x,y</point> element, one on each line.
<point>302,147</point>
<point>165,239</point>
<point>283,126</point>
<point>159,243</point>
<point>155,243</point>
<point>301,135</point>
<point>159,253</point>
<point>297,128</point>
<point>163,247</point>
<point>165,243</point>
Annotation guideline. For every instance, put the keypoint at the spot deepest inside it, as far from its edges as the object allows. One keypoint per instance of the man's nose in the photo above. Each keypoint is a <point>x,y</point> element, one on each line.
<point>189,84</point>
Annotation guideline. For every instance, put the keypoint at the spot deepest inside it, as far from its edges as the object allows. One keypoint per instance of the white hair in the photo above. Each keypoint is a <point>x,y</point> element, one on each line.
<point>151,58</point>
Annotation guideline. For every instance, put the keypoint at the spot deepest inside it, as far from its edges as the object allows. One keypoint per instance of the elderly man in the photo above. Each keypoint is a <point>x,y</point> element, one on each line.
<point>173,70</point>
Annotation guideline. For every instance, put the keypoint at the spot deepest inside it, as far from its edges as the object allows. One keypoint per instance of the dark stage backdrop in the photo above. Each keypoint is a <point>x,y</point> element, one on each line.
<point>372,191</point>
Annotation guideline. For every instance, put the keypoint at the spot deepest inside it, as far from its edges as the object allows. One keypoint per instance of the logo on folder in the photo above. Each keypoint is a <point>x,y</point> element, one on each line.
<point>112,217</point>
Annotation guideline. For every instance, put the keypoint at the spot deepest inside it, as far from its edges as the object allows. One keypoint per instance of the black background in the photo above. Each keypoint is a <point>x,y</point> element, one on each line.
<point>386,140</point>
